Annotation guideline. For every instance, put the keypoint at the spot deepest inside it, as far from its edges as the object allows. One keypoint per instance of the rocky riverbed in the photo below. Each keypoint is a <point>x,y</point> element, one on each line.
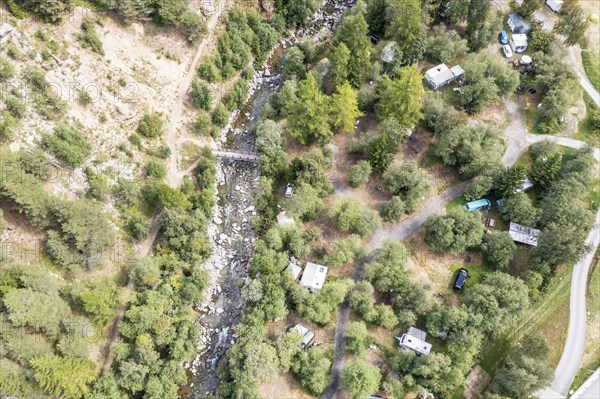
<point>231,234</point>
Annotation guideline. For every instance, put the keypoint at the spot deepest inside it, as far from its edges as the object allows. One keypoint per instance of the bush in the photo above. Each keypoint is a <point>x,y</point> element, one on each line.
<point>220,115</point>
<point>208,71</point>
<point>156,169</point>
<point>201,95</point>
<point>67,144</point>
<point>236,97</point>
<point>136,226</point>
<point>480,187</point>
<point>193,26</point>
<point>357,338</point>
<point>392,210</point>
<point>350,215</point>
<point>15,107</point>
<point>7,70</point>
<point>89,37</point>
<point>151,125</point>
<point>361,379</point>
<point>84,97</point>
<point>359,173</point>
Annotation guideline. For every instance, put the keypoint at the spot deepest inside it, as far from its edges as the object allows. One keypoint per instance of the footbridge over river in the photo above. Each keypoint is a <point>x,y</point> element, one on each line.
<point>236,155</point>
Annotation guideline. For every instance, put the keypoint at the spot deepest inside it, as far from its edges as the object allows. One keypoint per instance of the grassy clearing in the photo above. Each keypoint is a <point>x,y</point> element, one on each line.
<point>591,360</point>
<point>586,131</point>
<point>591,64</point>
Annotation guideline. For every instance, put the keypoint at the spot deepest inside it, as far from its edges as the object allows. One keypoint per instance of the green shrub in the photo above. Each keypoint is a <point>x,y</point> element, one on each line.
<point>201,95</point>
<point>84,97</point>
<point>151,125</point>
<point>220,115</point>
<point>359,174</point>
<point>7,70</point>
<point>16,107</point>
<point>89,37</point>
<point>237,96</point>
<point>137,227</point>
<point>208,71</point>
<point>67,144</point>
<point>156,169</point>
<point>193,26</point>
<point>203,123</point>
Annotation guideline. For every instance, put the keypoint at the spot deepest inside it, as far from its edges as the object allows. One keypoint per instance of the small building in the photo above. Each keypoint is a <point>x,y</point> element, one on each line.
<point>478,205</point>
<point>523,234</point>
<point>441,75</point>
<point>414,339</point>
<point>314,276</point>
<point>554,5</point>
<point>518,42</point>
<point>305,333</point>
<point>526,186</point>
<point>517,24</point>
<point>294,270</point>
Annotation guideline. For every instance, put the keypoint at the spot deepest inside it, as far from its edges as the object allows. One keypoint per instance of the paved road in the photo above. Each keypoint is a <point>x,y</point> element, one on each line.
<point>572,355</point>
<point>590,388</point>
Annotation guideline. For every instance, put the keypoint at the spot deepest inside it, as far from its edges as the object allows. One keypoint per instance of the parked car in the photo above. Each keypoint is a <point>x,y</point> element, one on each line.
<point>491,223</point>
<point>289,190</point>
<point>503,37</point>
<point>463,274</point>
<point>508,53</point>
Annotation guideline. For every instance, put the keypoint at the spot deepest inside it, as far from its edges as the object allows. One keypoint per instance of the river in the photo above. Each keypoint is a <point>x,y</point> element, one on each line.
<point>231,234</point>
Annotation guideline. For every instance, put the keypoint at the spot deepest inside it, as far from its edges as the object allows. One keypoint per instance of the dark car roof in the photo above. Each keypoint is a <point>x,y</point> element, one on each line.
<point>461,278</point>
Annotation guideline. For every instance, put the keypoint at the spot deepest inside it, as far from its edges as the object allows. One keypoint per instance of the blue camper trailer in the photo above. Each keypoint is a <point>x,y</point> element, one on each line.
<point>478,205</point>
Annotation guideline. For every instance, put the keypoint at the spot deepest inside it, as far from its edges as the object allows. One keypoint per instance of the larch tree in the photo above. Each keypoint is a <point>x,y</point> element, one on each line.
<point>344,108</point>
<point>308,115</point>
<point>353,33</point>
<point>401,98</point>
<point>340,58</point>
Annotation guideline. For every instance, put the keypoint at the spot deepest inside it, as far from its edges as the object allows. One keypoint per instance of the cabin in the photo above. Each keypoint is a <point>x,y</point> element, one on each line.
<point>305,333</point>
<point>480,204</point>
<point>314,276</point>
<point>517,24</point>
<point>554,5</point>
<point>414,339</point>
<point>518,42</point>
<point>523,234</point>
<point>441,75</point>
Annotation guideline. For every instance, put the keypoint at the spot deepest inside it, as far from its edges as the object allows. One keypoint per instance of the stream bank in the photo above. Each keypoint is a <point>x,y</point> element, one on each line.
<point>231,234</point>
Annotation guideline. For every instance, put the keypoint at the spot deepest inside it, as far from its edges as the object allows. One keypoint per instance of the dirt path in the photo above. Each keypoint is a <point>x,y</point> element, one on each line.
<point>174,176</point>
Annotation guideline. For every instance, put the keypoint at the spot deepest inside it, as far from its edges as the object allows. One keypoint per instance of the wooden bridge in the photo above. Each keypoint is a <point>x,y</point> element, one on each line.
<point>236,155</point>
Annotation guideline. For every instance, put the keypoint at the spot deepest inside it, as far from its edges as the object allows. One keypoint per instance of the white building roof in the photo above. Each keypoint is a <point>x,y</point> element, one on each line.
<point>519,40</point>
<point>294,270</point>
<point>414,339</point>
<point>389,52</point>
<point>523,234</point>
<point>527,184</point>
<point>457,71</point>
<point>439,74</point>
<point>314,276</point>
<point>306,334</point>
<point>555,5</point>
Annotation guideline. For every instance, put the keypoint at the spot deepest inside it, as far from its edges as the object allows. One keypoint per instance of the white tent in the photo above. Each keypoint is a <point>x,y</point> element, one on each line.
<point>554,5</point>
